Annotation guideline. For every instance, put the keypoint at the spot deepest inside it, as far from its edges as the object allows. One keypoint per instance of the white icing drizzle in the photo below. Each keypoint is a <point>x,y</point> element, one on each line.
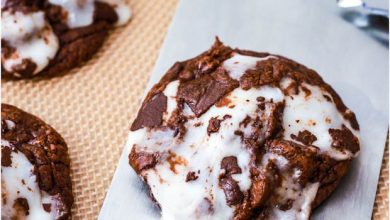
<point>238,64</point>
<point>198,151</point>
<point>317,115</point>
<point>123,12</point>
<point>18,181</point>
<point>10,124</point>
<point>280,161</point>
<point>80,12</point>
<point>5,143</point>
<point>31,36</point>
<point>170,92</point>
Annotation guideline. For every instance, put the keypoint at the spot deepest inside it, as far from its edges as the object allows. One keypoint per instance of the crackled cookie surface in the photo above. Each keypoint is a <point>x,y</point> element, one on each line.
<point>35,174</point>
<point>48,37</point>
<point>234,134</point>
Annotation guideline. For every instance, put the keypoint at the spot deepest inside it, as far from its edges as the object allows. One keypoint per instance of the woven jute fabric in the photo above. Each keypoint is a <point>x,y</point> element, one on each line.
<point>92,106</point>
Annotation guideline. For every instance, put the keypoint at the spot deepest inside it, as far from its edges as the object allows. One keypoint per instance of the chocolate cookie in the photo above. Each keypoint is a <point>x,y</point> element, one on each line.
<point>35,174</point>
<point>236,134</point>
<point>49,37</point>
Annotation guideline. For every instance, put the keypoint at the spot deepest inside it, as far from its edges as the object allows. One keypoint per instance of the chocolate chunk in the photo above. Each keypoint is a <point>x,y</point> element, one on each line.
<point>303,158</point>
<point>306,91</point>
<point>260,191</point>
<point>329,99</point>
<point>6,160</point>
<point>205,65</point>
<point>261,106</point>
<point>344,139</point>
<point>198,124</point>
<point>246,121</point>
<point>267,124</point>
<point>273,123</point>
<point>226,117</point>
<point>291,89</point>
<point>104,12</point>
<point>4,198</point>
<point>191,176</point>
<point>151,112</point>
<point>350,116</point>
<point>287,205</point>
<point>229,164</point>
<point>260,99</point>
<point>305,137</point>
<point>26,68</point>
<point>141,160</point>
<point>4,127</point>
<point>21,206</point>
<point>203,92</point>
<point>38,153</point>
<point>177,123</point>
<point>232,191</point>
<point>215,123</point>
<point>230,187</point>
<point>266,72</point>
<point>47,207</point>
<point>6,50</point>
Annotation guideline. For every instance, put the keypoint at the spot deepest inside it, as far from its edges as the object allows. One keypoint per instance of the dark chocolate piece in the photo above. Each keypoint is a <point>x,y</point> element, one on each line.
<point>151,112</point>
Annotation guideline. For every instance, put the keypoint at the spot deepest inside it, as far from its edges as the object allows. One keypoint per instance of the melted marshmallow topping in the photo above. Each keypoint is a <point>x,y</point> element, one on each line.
<point>200,152</point>
<point>32,38</point>
<point>80,12</point>
<point>238,64</point>
<point>19,183</point>
<point>317,115</point>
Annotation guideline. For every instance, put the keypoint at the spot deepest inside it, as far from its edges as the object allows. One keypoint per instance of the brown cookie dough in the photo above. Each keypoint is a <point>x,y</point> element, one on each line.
<point>50,37</point>
<point>236,134</point>
<point>35,173</point>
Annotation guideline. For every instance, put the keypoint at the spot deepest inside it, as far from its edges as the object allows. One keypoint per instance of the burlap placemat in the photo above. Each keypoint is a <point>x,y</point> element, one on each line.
<point>93,105</point>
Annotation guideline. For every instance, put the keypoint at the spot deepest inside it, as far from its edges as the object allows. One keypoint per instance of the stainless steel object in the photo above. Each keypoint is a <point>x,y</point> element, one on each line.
<point>364,6</point>
<point>373,21</point>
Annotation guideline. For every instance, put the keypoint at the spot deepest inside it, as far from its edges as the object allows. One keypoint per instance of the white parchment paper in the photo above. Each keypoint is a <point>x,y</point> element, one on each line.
<point>311,32</point>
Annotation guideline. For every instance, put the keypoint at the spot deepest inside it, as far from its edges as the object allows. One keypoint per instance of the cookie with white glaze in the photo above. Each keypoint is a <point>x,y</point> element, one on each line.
<point>35,172</point>
<point>236,134</point>
<point>49,37</point>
